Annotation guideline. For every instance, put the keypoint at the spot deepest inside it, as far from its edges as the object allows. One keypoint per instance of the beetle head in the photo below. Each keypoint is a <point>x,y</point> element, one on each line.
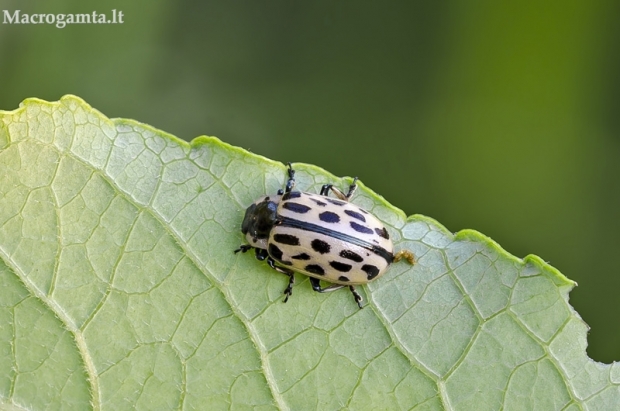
<point>259,218</point>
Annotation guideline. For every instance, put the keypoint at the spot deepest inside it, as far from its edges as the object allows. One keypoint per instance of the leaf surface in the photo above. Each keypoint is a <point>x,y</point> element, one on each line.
<point>119,290</point>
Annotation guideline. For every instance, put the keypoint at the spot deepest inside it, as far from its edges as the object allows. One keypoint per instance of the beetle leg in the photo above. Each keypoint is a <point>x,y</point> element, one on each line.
<point>261,254</point>
<point>352,188</point>
<point>291,179</point>
<point>316,286</point>
<point>345,197</point>
<point>291,277</point>
<point>243,248</point>
<point>358,298</point>
<point>325,189</point>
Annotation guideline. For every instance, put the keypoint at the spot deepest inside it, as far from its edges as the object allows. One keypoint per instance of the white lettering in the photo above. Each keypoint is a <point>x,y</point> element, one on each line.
<point>83,18</point>
<point>14,19</point>
<point>61,20</point>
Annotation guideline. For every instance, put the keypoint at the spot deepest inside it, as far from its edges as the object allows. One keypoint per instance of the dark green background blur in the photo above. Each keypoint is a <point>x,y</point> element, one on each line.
<point>496,116</point>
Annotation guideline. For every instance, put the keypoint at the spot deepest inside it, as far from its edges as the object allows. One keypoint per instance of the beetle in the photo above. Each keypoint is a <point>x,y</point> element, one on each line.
<point>322,237</point>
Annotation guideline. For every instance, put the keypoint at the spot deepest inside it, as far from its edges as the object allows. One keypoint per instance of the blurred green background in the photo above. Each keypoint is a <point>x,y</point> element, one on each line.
<point>496,116</point>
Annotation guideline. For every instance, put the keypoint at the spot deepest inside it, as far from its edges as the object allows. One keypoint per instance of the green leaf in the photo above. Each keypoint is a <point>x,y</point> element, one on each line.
<point>120,290</point>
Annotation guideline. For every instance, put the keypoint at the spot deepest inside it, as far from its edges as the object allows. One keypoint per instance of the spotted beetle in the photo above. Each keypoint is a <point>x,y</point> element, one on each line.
<point>322,237</point>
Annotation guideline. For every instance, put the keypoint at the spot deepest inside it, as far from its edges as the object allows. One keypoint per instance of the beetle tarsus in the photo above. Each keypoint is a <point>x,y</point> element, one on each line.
<point>291,179</point>
<point>358,298</point>
<point>352,188</point>
<point>288,291</point>
<point>243,248</point>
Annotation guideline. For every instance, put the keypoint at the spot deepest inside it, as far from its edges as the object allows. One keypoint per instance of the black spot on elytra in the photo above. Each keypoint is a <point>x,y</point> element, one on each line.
<point>343,278</point>
<point>296,207</point>
<point>314,269</point>
<point>286,239</point>
<point>275,252</point>
<point>360,228</point>
<point>350,255</point>
<point>342,267</point>
<point>302,256</point>
<point>319,202</point>
<point>292,194</point>
<point>336,202</point>
<point>320,246</point>
<point>355,214</point>
<point>370,270</point>
<point>382,232</point>
<point>329,217</point>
